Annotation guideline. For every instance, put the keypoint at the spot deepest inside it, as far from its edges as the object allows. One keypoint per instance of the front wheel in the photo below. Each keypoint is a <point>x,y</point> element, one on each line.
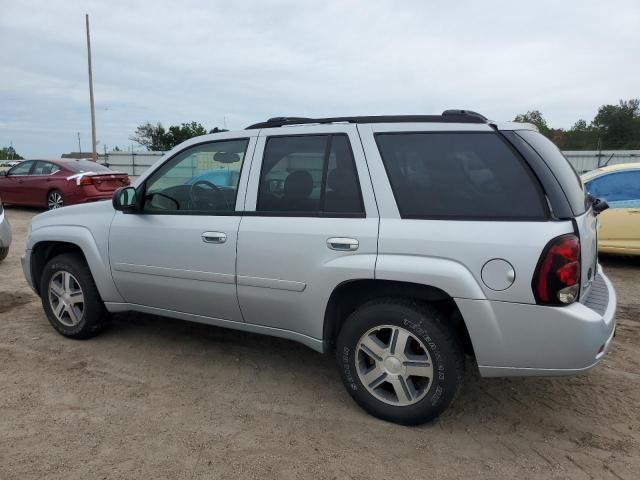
<point>70,298</point>
<point>55,199</point>
<point>400,360</point>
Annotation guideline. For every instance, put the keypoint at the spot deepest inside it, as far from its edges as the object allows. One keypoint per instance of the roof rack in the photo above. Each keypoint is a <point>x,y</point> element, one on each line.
<point>448,116</point>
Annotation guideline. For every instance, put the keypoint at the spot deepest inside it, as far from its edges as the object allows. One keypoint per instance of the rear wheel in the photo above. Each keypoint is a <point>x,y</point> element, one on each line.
<point>400,361</point>
<point>55,199</point>
<point>4,251</point>
<point>70,298</point>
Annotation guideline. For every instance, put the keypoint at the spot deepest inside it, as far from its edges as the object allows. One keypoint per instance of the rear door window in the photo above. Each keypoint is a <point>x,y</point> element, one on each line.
<point>309,175</point>
<point>459,175</point>
<point>45,168</point>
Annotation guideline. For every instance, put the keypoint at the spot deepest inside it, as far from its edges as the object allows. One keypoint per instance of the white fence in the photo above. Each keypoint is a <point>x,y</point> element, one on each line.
<point>583,161</point>
<point>586,160</point>
<point>132,163</point>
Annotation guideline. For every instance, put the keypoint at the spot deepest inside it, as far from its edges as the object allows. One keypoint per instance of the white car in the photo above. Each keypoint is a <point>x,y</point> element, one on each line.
<point>5,234</point>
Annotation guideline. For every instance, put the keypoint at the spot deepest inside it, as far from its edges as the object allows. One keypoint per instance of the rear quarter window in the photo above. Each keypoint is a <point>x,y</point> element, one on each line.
<point>561,168</point>
<point>459,175</point>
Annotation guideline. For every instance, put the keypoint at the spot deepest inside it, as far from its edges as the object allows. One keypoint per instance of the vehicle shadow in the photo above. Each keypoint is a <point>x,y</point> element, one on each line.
<point>619,261</point>
<point>24,209</point>
<point>307,377</point>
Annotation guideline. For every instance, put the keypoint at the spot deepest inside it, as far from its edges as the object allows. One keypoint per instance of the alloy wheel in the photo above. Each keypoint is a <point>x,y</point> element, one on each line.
<point>55,200</point>
<point>394,365</point>
<point>66,298</point>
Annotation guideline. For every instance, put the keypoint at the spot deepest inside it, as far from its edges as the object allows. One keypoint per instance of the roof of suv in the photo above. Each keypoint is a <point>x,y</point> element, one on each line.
<point>448,116</point>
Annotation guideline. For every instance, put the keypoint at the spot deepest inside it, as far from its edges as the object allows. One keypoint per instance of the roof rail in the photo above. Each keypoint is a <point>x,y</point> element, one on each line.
<point>448,116</point>
<point>465,112</point>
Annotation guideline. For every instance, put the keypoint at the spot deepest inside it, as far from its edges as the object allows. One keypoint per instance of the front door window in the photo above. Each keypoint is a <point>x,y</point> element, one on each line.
<point>203,178</point>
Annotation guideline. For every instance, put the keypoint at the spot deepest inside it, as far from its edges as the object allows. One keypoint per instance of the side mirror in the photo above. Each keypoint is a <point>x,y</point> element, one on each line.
<point>125,199</point>
<point>600,205</point>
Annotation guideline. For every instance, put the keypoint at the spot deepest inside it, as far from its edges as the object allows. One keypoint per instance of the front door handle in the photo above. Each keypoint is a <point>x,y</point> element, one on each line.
<point>343,244</point>
<point>214,237</point>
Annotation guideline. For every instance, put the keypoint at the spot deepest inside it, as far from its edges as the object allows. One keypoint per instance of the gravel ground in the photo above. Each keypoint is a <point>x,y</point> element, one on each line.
<point>157,398</point>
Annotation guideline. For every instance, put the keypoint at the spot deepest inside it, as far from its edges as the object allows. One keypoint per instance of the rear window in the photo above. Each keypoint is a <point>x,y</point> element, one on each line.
<point>84,166</point>
<point>459,175</point>
<point>561,168</point>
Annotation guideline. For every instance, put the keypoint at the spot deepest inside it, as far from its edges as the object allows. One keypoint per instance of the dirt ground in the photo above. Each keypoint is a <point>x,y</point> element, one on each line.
<point>157,398</point>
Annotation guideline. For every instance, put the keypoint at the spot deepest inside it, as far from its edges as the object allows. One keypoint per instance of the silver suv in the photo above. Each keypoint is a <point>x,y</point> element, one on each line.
<point>401,243</point>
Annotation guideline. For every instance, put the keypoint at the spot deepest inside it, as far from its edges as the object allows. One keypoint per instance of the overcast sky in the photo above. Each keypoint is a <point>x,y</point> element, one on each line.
<point>245,61</point>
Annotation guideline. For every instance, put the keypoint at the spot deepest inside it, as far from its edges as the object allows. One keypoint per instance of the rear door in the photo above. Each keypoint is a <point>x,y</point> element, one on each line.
<point>310,223</point>
<point>43,179</point>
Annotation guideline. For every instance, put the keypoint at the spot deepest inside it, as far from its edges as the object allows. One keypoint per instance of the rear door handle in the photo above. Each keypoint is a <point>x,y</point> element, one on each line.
<point>214,237</point>
<point>343,244</point>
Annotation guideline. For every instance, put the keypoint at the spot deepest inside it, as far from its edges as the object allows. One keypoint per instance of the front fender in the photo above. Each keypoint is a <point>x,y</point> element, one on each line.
<point>96,256</point>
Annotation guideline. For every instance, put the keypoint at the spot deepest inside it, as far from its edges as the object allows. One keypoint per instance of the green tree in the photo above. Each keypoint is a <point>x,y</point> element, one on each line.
<point>9,153</point>
<point>152,137</point>
<point>619,125</point>
<point>580,136</point>
<point>535,117</point>
<point>156,138</point>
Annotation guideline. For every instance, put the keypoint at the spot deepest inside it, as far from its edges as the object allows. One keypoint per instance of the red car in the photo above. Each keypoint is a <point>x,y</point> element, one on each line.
<point>56,183</point>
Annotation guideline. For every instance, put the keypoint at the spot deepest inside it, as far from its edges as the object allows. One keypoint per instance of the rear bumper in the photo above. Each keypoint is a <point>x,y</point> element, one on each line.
<point>512,339</point>
<point>79,199</point>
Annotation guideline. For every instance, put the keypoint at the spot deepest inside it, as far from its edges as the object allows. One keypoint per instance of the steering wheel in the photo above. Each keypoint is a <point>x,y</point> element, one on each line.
<point>202,195</point>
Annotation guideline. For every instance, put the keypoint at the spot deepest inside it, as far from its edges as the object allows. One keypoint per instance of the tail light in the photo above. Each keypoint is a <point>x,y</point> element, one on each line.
<point>85,180</point>
<point>556,280</point>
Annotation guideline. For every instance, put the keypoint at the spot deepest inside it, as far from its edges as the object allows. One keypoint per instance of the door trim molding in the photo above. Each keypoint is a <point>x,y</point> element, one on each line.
<point>274,283</point>
<point>175,273</point>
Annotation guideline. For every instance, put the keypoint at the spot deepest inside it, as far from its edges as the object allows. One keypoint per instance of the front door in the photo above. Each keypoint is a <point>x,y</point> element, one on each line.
<point>178,254</point>
<point>12,186</point>
<point>311,224</point>
<point>620,223</point>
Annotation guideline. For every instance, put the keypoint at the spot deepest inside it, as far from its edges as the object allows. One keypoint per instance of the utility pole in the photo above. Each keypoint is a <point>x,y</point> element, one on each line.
<point>94,154</point>
<point>79,146</point>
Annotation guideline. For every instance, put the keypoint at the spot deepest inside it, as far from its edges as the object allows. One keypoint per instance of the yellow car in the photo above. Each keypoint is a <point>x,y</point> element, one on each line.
<point>619,185</point>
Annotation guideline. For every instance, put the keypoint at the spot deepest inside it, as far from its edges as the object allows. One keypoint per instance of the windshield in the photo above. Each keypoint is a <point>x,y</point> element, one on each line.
<point>84,166</point>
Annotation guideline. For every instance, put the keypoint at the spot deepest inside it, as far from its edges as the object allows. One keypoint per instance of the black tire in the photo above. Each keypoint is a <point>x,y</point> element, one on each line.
<point>55,199</point>
<point>94,317</point>
<point>431,328</point>
<point>4,251</point>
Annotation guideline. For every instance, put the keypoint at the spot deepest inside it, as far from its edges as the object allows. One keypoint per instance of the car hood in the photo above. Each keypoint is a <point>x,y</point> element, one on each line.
<point>80,215</point>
